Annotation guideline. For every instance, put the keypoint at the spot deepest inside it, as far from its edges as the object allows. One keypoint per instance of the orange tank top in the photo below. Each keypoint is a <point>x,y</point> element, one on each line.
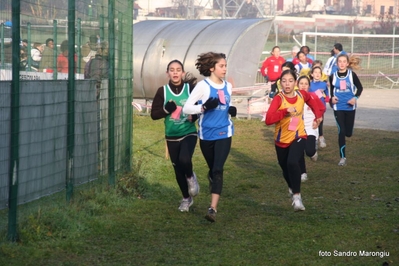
<point>282,133</point>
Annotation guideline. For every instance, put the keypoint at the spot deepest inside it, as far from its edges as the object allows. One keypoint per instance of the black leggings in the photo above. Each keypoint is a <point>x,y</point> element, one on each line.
<point>321,127</point>
<point>345,122</point>
<point>289,159</point>
<point>181,153</point>
<point>310,150</point>
<point>215,153</point>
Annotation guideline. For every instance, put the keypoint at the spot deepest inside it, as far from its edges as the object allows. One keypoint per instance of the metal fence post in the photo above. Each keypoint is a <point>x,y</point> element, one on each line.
<point>55,53</point>
<point>79,45</point>
<point>15,120</point>
<point>129,122</point>
<point>2,46</point>
<point>111,94</point>
<point>102,27</point>
<point>28,50</point>
<point>71,100</point>
<point>120,45</point>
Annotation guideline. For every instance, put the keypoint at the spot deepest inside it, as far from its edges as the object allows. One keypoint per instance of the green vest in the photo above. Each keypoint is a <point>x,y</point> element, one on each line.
<point>178,127</point>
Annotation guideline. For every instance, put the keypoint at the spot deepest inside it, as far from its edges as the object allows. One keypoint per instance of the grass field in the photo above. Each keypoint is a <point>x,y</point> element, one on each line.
<point>348,209</point>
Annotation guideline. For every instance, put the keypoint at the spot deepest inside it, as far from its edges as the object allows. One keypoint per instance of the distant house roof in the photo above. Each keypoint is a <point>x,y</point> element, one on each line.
<point>136,6</point>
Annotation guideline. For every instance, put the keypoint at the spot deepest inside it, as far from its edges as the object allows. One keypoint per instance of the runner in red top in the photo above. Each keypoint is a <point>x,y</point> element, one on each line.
<point>271,67</point>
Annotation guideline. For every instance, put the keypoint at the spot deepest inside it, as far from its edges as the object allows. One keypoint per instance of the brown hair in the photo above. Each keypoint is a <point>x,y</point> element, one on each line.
<point>274,47</point>
<point>303,77</point>
<point>353,61</point>
<point>206,61</point>
<point>64,46</point>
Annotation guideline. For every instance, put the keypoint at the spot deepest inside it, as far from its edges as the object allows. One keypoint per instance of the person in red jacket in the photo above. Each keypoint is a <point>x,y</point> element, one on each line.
<point>286,112</point>
<point>271,67</point>
<point>62,59</point>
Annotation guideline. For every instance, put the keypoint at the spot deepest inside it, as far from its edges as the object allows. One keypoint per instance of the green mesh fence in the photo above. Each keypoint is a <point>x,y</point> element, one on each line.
<point>65,98</point>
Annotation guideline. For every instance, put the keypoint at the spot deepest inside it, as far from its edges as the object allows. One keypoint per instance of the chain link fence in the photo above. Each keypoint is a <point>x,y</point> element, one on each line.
<point>65,98</point>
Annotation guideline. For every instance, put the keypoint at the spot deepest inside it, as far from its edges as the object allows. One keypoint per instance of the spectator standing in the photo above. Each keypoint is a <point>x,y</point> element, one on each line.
<point>24,43</point>
<point>47,63</point>
<point>88,51</point>
<point>36,55</point>
<point>23,59</point>
<point>98,67</point>
<point>62,59</point>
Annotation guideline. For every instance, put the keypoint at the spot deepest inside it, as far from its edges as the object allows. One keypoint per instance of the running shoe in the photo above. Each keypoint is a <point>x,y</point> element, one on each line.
<point>342,162</point>
<point>322,141</point>
<point>211,215</point>
<point>297,202</point>
<point>185,204</point>
<point>193,186</point>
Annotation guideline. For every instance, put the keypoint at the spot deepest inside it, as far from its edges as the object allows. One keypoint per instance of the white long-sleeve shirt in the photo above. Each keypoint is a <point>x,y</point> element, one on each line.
<point>202,92</point>
<point>36,54</point>
<point>328,66</point>
<point>308,118</point>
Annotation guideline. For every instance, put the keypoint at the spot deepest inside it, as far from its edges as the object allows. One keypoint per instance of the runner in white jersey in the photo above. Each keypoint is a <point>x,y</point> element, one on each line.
<point>211,99</point>
<point>345,89</point>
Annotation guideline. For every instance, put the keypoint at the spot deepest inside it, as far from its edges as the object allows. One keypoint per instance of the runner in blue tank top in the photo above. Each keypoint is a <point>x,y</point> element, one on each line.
<point>345,90</point>
<point>211,99</point>
<point>320,88</point>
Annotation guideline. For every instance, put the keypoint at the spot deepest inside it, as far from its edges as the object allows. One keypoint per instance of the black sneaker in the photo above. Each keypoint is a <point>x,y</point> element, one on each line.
<point>211,215</point>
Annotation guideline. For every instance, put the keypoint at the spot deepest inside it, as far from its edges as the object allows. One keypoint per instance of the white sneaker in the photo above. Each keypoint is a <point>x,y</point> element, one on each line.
<point>193,186</point>
<point>314,157</point>
<point>304,177</point>
<point>297,202</point>
<point>322,142</point>
<point>342,162</point>
<point>185,204</point>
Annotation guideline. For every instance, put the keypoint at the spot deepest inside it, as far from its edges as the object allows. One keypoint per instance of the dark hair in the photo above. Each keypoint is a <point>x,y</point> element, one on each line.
<point>288,64</point>
<point>317,62</point>
<point>305,47</point>
<point>332,52</point>
<point>206,61</point>
<point>303,77</point>
<point>353,61</point>
<point>25,40</point>
<point>316,67</point>
<point>300,52</point>
<point>190,79</point>
<point>64,46</point>
<point>49,40</point>
<point>338,46</point>
<point>290,72</point>
<point>271,52</point>
<point>175,61</point>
